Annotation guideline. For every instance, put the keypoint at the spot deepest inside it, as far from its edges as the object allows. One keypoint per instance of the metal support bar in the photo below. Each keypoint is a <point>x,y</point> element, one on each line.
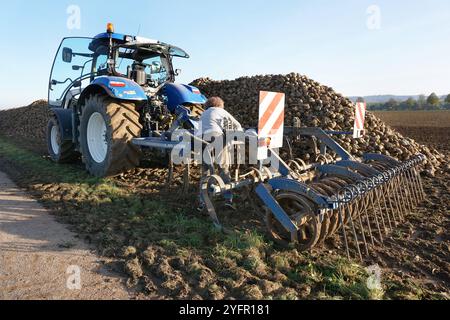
<point>264,194</point>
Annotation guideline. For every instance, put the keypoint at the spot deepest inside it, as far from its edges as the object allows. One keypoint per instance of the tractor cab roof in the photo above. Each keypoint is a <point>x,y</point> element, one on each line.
<point>135,42</point>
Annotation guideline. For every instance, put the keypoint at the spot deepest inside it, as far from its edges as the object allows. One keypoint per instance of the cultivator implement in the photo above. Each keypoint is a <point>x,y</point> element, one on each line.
<point>306,204</point>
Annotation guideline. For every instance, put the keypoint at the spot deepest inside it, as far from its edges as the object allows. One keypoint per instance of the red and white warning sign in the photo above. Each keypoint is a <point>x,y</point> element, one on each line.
<point>271,121</point>
<point>360,116</point>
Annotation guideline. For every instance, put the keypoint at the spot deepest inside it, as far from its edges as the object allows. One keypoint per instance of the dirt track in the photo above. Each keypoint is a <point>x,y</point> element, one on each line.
<point>38,255</point>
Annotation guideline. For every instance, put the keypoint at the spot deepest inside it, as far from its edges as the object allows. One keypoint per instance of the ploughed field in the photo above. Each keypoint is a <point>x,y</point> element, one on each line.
<point>427,127</point>
<point>154,234</point>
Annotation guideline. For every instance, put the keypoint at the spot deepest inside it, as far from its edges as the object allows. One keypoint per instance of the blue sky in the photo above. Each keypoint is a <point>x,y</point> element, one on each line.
<point>328,40</point>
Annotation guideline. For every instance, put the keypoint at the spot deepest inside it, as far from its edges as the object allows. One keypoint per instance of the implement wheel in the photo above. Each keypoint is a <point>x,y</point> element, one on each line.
<point>301,212</point>
<point>106,129</point>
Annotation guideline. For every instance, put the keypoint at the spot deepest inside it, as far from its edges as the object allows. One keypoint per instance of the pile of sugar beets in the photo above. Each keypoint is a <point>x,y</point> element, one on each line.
<point>28,122</point>
<point>316,106</point>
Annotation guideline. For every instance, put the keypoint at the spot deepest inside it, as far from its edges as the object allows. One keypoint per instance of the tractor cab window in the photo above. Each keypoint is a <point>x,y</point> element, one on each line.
<point>71,71</point>
<point>156,67</point>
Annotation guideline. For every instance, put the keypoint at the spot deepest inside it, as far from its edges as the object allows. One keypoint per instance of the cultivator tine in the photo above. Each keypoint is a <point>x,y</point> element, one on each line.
<point>341,221</point>
<point>398,196</point>
<point>392,194</point>
<point>419,179</point>
<point>416,179</point>
<point>380,233</point>
<point>352,224</point>
<point>363,189</point>
<point>377,206</point>
<point>406,189</point>
<point>386,195</point>
<point>372,205</point>
<point>420,183</point>
<point>358,216</point>
<point>378,200</point>
<point>414,186</point>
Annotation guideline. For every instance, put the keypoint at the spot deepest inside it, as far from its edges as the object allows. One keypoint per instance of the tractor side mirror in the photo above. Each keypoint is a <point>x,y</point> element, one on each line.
<point>67,55</point>
<point>177,72</point>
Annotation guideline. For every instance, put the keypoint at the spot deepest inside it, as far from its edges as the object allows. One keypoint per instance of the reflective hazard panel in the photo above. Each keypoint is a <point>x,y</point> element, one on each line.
<point>271,122</point>
<point>360,116</point>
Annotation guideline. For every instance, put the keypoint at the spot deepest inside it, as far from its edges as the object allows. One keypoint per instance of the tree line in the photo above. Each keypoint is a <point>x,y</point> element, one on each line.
<point>433,102</point>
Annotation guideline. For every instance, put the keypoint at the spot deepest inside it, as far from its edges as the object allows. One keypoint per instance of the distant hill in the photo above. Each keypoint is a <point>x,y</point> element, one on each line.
<point>386,98</point>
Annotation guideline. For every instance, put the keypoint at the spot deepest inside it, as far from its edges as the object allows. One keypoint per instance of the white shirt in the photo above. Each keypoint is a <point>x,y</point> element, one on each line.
<point>214,121</point>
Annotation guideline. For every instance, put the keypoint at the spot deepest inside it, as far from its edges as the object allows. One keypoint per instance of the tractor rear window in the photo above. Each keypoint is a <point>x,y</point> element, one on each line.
<point>156,66</point>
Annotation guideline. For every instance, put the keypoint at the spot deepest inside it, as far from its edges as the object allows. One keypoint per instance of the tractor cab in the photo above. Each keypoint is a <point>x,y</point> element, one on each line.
<point>79,61</point>
<point>107,91</point>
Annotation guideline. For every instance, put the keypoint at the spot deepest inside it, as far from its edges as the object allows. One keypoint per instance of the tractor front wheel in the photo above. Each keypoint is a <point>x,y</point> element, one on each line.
<point>106,129</point>
<point>60,151</point>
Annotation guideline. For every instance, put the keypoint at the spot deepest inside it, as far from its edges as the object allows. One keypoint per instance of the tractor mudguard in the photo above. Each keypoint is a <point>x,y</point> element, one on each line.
<point>180,94</point>
<point>64,117</point>
<point>115,87</point>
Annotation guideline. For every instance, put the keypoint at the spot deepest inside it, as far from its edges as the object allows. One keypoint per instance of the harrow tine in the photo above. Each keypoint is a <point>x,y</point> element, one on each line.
<point>408,189</point>
<point>344,232</point>
<point>363,189</point>
<point>420,159</point>
<point>376,206</point>
<point>376,216</point>
<point>352,225</point>
<point>391,220</point>
<point>384,192</point>
<point>394,191</point>
<point>388,203</point>
<point>383,220</point>
<point>388,195</point>
<point>413,186</point>
<point>358,215</point>
<point>377,193</point>
<point>399,198</point>
<point>416,184</point>
<point>404,191</point>
<point>420,183</point>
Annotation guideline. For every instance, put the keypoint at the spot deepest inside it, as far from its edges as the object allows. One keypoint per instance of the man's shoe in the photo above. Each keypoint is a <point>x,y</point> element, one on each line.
<point>201,207</point>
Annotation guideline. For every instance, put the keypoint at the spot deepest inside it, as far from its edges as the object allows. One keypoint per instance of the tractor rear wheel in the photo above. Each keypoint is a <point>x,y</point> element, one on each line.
<point>60,151</point>
<point>106,129</point>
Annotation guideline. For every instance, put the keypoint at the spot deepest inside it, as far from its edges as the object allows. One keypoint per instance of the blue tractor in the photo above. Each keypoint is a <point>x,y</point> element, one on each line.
<point>109,90</point>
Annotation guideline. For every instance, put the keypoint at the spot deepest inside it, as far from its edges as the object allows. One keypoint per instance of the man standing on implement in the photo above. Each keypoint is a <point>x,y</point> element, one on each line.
<point>214,123</point>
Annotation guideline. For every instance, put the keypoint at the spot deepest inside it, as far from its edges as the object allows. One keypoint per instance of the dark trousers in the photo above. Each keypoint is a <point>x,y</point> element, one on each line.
<point>223,171</point>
